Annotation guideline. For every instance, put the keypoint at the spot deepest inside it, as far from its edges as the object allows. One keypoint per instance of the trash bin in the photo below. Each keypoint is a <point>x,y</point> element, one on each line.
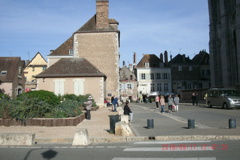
<point>113,119</point>
<point>150,123</point>
<point>232,123</point>
<point>191,123</point>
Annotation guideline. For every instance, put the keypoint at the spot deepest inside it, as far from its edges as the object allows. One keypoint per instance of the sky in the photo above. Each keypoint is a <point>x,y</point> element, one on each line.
<point>146,26</point>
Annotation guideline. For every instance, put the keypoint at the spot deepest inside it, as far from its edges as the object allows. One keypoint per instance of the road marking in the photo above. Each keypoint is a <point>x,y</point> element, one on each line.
<point>111,147</point>
<point>169,142</point>
<point>193,158</point>
<point>167,149</point>
<point>99,147</point>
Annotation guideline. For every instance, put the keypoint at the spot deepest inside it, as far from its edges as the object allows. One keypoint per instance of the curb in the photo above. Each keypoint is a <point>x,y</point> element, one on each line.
<point>139,138</point>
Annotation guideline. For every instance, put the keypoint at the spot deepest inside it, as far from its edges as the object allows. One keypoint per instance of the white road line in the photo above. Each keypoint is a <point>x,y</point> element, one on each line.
<point>193,158</point>
<point>167,149</point>
<point>170,142</point>
<point>111,147</point>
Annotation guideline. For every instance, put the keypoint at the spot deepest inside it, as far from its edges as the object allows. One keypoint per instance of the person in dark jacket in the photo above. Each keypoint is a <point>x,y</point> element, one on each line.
<point>88,107</point>
<point>115,102</point>
<point>127,111</point>
<point>193,99</point>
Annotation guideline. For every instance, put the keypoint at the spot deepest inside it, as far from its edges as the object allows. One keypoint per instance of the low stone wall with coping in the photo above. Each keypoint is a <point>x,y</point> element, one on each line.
<point>47,122</point>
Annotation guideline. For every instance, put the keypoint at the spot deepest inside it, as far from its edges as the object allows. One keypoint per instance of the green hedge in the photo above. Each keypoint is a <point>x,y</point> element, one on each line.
<point>42,104</point>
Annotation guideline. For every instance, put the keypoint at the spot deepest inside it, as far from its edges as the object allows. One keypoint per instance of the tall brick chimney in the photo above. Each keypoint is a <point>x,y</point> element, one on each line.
<point>134,59</point>
<point>102,14</point>
<point>166,57</point>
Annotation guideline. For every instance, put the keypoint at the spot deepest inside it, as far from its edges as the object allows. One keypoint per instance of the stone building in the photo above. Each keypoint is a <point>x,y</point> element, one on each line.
<point>224,42</point>
<point>127,84</point>
<point>12,81</point>
<point>97,42</point>
<point>153,75</point>
<point>190,74</point>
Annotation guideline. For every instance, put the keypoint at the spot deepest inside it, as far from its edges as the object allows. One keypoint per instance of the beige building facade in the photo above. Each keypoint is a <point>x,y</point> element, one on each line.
<point>33,68</point>
<point>74,85</point>
<point>73,76</point>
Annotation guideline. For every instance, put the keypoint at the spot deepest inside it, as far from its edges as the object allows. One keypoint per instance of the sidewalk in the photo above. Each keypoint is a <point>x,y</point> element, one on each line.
<point>99,126</point>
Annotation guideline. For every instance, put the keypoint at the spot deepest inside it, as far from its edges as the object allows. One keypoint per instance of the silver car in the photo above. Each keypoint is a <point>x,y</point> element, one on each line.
<point>224,97</point>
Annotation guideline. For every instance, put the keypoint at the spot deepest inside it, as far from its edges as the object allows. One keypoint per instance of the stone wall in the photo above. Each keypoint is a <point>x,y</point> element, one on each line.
<point>47,122</point>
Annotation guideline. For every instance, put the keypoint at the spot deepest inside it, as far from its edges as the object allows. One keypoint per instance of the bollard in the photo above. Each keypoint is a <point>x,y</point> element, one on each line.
<point>232,123</point>
<point>150,123</point>
<point>191,123</point>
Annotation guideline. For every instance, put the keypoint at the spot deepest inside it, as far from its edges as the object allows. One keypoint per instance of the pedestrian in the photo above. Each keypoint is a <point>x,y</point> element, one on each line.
<point>128,111</point>
<point>176,102</point>
<point>193,99</point>
<point>112,99</point>
<point>170,103</point>
<point>162,103</point>
<point>115,103</point>
<point>107,104</point>
<point>157,101</point>
<point>141,98</point>
<point>88,107</point>
<point>196,99</point>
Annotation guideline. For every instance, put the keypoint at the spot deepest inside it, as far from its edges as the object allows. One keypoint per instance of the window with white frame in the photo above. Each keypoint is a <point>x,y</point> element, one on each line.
<point>165,76</point>
<point>146,64</point>
<point>4,72</point>
<point>129,86</point>
<point>59,86</point>
<point>78,86</point>
<point>152,87</point>
<point>159,87</point>
<point>152,75</point>
<point>143,76</point>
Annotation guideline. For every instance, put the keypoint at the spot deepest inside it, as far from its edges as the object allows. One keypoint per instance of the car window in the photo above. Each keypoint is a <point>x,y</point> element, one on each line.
<point>215,93</point>
<point>231,93</point>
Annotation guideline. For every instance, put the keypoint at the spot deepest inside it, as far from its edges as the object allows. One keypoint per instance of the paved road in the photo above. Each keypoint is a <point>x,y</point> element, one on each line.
<point>143,150</point>
<point>208,121</point>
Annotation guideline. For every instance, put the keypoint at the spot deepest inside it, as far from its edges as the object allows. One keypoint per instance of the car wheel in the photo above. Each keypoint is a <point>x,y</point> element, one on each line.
<point>225,106</point>
<point>209,105</point>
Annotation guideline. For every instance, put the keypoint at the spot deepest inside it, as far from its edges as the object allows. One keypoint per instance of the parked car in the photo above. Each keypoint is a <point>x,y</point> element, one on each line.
<point>225,97</point>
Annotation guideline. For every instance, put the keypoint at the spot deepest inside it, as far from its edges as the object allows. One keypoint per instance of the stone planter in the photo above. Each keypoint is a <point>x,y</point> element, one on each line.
<point>48,122</point>
<point>93,108</point>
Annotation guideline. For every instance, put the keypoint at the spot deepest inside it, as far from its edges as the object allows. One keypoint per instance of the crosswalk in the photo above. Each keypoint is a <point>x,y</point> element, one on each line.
<point>194,158</point>
<point>172,146</point>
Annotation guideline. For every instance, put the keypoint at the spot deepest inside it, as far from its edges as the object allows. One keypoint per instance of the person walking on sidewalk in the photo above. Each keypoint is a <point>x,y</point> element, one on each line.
<point>157,101</point>
<point>193,99</point>
<point>115,102</point>
<point>176,102</point>
<point>170,103</point>
<point>89,107</point>
<point>162,103</point>
<point>127,111</point>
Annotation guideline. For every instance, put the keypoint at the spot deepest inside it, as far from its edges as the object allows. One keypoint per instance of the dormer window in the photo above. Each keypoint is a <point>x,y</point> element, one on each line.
<point>146,65</point>
<point>3,73</point>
